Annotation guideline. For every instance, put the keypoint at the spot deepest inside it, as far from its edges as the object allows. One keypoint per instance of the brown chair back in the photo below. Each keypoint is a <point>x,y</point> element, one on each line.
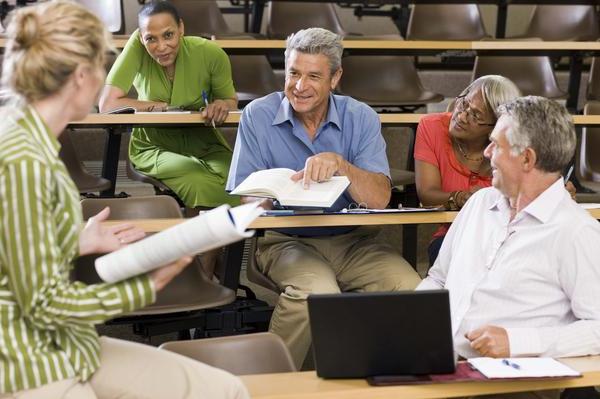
<point>190,290</point>
<point>593,87</point>
<point>589,154</point>
<point>143,207</point>
<point>564,22</point>
<point>260,353</point>
<point>287,17</point>
<point>384,81</point>
<point>532,75</point>
<point>445,22</point>
<point>202,18</point>
<point>253,77</point>
<point>85,182</point>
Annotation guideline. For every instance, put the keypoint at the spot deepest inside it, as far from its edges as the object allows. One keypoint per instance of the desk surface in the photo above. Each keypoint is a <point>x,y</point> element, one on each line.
<point>350,44</point>
<point>306,385</point>
<point>158,118</point>
<point>272,222</point>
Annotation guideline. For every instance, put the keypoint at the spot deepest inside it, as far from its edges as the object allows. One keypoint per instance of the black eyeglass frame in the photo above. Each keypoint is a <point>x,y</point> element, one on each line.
<point>462,99</point>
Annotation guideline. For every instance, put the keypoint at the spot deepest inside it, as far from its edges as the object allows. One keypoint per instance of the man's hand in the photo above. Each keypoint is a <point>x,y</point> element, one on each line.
<point>95,238</point>
<point>319,168</point>
<point>491,341</point>
<point>216,112</point>
<point>571,189</point>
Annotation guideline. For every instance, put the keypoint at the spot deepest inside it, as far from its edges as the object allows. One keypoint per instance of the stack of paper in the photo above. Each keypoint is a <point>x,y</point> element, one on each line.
<point>522,367</point>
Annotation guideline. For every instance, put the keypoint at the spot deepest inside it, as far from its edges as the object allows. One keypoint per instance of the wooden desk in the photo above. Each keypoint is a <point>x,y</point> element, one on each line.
<point>277,222</point>
<point>164,119</point>
<point>117,123</point>
<point>306,385</point>
<point>575,50</point>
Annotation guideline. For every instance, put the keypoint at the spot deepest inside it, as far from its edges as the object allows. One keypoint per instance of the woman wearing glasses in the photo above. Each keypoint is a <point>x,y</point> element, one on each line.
<point>449,161</point>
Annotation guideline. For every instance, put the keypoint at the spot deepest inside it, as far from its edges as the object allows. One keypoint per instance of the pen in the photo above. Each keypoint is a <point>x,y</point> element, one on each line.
<point>205,98</point>
<point>568,176</point>
<point>511,364</point>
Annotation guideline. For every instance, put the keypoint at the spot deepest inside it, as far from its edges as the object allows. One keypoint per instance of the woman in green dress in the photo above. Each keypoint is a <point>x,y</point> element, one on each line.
<point>168,69</point>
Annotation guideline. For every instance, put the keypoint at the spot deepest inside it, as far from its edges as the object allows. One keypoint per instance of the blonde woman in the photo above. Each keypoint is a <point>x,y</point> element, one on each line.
<point>49,347</point>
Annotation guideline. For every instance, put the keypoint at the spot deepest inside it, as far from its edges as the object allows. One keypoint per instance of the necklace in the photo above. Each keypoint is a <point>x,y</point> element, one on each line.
<point>170,76</point>
<point>465,155</point>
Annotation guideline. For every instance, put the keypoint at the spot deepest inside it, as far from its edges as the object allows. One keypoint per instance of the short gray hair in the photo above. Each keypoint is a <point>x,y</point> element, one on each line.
<point>495,90</point>
<point>316,41</point>
<point>543,125</point>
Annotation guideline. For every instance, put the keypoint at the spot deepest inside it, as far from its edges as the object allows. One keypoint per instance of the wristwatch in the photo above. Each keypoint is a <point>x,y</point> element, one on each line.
<point>451,203</point>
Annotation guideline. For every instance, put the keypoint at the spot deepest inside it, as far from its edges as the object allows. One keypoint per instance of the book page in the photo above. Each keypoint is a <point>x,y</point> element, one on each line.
<point>522,367</point>
<point>209,230</point>
<point>266,183</point>
<point>322,194</point>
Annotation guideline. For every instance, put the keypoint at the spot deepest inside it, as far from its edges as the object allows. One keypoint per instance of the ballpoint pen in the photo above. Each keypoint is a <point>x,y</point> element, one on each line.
<point>511,364</point>
<point>205,98</point>
<point>568,175</point>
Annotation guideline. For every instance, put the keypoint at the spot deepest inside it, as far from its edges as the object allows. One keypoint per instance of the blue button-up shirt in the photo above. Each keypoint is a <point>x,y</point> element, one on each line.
<point>270,136</point>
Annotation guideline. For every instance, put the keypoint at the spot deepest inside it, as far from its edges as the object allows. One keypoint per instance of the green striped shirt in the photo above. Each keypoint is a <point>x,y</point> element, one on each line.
<point>47,322</point>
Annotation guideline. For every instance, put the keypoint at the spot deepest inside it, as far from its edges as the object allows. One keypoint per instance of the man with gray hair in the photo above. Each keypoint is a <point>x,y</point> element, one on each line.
<point>521,258</point>
<point>308,129</point>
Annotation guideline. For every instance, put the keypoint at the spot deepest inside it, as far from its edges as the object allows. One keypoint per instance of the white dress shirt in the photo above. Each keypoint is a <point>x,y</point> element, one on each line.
<point>538,276</point>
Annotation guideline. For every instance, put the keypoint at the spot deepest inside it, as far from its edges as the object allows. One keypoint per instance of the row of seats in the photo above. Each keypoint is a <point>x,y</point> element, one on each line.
<point>399,84</point>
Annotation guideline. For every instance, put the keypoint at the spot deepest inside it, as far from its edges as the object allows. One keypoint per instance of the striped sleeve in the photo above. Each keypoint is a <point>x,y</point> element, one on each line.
<point>36,265</point>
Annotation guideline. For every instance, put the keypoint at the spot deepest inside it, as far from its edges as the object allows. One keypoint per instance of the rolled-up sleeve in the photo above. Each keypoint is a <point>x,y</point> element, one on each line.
<point>36,267</point>
<point>371,155</point>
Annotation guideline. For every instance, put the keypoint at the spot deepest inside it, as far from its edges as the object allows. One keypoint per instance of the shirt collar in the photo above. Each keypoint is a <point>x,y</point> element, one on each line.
<point>542,208</point>
<point>42,132</point>
<point>286,113</point>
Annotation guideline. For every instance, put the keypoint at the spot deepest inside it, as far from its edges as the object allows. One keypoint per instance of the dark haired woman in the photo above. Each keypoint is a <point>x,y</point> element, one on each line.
<point>169,69</point>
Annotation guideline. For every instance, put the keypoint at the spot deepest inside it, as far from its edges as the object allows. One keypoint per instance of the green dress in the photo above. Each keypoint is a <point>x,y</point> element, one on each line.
<point>192,161</point>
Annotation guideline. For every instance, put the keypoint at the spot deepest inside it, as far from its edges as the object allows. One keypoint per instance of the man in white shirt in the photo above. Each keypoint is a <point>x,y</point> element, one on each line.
<point>522,259</point>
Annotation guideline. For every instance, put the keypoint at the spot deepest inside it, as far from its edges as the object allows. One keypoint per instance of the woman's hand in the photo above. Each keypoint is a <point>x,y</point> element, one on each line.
<point>216,112</point>
<point>163,275</point>
<point>96,238</point>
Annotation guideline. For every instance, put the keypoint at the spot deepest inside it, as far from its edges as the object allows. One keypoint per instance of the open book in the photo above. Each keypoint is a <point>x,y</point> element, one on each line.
<point>215,228</point>
<point>277,183</point>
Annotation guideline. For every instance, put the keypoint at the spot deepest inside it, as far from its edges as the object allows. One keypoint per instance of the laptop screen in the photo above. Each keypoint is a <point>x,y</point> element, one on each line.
<point>358,335</point>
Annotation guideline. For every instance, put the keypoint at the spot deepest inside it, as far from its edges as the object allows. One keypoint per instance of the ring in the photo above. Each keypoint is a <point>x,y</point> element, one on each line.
<point>122,241</point>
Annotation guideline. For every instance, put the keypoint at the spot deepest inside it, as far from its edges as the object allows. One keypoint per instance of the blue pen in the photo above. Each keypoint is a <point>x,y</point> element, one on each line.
<point>511,364</point>
<point>205,98</point>
<point>569,172</point>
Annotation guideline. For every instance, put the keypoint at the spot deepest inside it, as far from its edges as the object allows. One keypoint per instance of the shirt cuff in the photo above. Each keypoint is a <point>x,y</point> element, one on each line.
<point>524,342</point>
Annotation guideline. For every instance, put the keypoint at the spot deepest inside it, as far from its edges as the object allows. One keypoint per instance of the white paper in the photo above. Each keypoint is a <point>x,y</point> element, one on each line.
<point>209,230</point>
<point>529,367</point>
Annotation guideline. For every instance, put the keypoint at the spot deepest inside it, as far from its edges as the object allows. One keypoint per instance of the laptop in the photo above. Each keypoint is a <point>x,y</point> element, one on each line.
<point>358,335</point>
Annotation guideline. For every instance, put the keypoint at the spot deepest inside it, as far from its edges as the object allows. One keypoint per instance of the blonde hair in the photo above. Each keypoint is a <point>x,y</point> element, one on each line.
<point>46,43</point>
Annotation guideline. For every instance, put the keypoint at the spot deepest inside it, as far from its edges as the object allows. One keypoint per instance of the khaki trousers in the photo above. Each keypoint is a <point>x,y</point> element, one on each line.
<point>347,262</point>
<point>130,370</point>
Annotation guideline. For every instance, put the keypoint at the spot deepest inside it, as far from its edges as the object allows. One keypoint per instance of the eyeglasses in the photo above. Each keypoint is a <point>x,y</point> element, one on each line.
<point>461,104</point>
